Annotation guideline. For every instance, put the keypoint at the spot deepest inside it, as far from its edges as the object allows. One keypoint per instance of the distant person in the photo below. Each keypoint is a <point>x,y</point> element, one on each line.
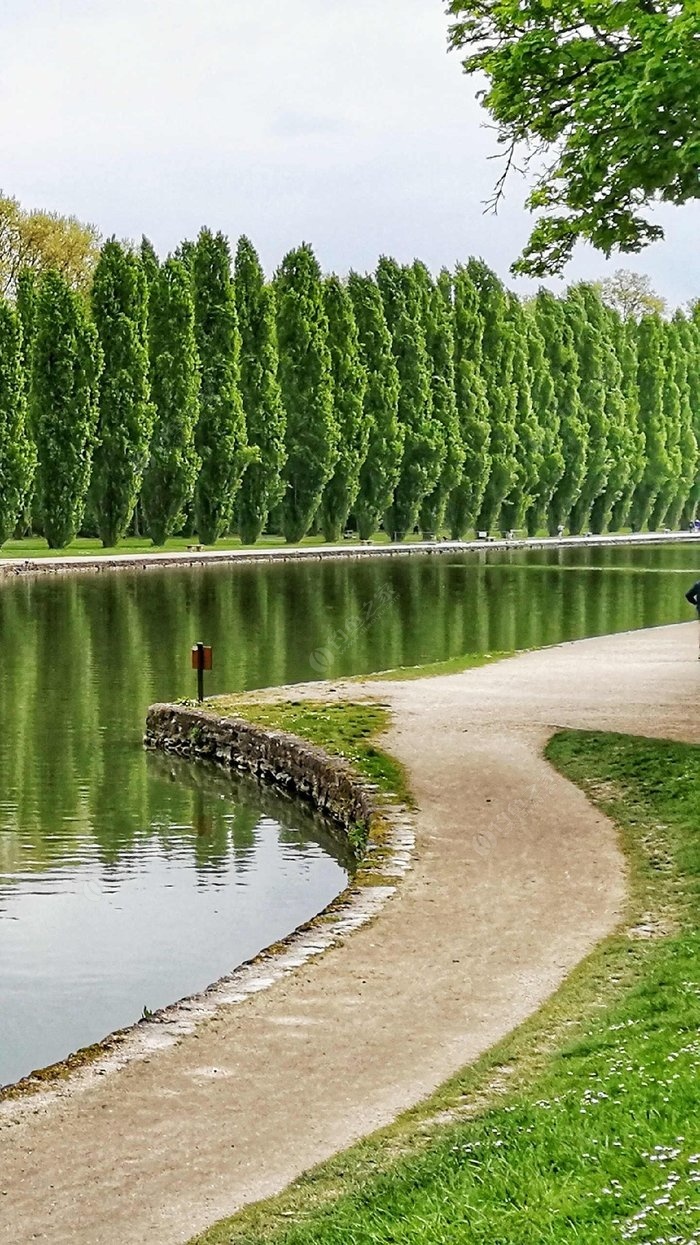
<point>693,595</point>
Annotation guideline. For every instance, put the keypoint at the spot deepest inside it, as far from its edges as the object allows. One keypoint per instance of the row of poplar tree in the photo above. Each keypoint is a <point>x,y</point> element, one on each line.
<point>195,395</point>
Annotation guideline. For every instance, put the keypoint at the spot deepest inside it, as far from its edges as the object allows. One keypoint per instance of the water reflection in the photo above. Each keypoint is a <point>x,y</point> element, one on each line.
<point>109,859</point>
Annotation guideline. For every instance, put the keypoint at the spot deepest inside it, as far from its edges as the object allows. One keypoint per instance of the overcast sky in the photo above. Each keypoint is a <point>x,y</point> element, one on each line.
<point>339,122</point>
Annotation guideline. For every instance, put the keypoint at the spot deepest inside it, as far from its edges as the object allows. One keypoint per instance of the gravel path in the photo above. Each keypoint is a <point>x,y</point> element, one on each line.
<point>516,877</point>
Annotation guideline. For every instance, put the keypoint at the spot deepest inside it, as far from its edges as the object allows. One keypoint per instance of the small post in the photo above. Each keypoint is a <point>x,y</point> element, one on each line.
<point>201,661</point>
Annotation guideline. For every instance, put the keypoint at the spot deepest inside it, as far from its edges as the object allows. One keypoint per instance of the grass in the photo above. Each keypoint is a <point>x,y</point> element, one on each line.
<point>581,1128</point>
<point>431,669</point>
<point>36,547</point>
<point>343,729</point>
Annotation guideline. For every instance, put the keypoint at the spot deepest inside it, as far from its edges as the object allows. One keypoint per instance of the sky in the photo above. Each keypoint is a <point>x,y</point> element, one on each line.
<point>343,123</point>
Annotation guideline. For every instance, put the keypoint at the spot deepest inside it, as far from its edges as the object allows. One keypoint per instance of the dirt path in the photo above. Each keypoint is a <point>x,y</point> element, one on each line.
<point>515,878</point>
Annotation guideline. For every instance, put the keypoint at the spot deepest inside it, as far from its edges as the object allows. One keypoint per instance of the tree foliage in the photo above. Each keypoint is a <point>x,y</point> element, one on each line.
<point>546,412</point>
<point>380,471</point>
<point>262,486</point>
<point>631,295</point>
<point>44,240</point>
<point>472,407</point>
<point>220,437</point>
<point>438,325</point>
<point>608,94</point>
<point>306,383</point>
<point>561,357</point>
<point>349,385</point>
<point>497,371</point>
<point>651,387</point>
<point>17,453</point>
<point>120,311</point>
<point>424,441</point>
<point>172,468</point>
<point>66,366</point>
<point>587,326</point>
<point>529,430</point>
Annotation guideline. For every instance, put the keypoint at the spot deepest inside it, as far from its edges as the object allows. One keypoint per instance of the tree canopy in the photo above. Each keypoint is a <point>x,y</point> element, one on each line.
<point>42,240</point>
<point>607,95</point>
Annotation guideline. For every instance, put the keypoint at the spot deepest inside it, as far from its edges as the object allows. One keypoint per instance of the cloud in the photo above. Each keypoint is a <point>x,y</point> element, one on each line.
<point>346,124</point>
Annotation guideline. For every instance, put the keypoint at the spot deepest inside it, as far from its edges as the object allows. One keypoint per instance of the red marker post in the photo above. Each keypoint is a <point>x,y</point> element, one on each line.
<point>201,661</point>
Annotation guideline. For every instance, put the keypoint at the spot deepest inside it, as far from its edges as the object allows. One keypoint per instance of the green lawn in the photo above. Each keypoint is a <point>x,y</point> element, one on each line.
<point>346,730</point>
<point>36,547</point>
<point>583,1127</point>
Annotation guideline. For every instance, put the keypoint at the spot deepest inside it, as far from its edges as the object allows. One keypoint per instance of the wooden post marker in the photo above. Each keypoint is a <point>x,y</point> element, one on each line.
<point>201,661</point>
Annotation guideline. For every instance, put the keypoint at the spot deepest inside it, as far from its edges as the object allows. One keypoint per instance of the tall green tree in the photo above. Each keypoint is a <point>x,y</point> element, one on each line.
<point>66,366</point>
<point>621,420</point>
<point>651,379</point>
<point>381,469</point>
<point>583,308</point>
<point>149,259</point>
<point>349,385</point>
<point>529,432</point>
<point>306,381</point>
<point>17,452</point>
<point>610,91</point>
<point>557,336</point>
<point>497,370</point>
<point>438,325</point>
<point>688,459</point>
<point>678,431</point>
<point>424,446</point>
<point>262,487</point>
<point>172,469</point>
<point>546,413</point>
<point>689,328</point>
<point>220,438</point>
<point>120,312</point>
<point>472,406</point>
<point>624,335</point>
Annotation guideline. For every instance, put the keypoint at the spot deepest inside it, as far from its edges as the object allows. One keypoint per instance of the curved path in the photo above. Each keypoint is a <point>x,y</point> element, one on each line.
<point>516,876</point>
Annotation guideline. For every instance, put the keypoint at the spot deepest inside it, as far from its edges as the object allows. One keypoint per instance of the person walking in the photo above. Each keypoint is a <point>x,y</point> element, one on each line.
<point>693,595</point>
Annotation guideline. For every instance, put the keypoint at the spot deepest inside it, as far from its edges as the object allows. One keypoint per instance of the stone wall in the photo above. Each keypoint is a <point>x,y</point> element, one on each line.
<point>286,762</point>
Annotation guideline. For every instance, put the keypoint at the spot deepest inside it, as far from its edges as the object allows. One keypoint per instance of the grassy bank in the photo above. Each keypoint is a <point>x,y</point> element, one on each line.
<point>36,547</point>
<point>584,1125</point>
<point>343,729</point>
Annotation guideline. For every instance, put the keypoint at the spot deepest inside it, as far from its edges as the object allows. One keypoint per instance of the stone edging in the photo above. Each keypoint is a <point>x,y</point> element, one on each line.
<point>384,847</point>
<point>70,564</point>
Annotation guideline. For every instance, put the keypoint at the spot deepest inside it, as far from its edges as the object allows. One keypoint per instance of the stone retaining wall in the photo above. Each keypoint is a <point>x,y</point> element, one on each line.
<point>286,762</point>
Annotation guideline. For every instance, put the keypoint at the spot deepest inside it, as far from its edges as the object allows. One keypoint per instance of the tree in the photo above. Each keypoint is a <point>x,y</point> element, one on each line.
<point>680,346</point>
<point>681,447</point>
<point>221,433</point>
<point>582,307</point>
<point>631,295</point>
<point>120,312</point>
<point>381,469</point>
<point>497,370</point>
<point>262,487</point>
<point>620,416</point>
<point>624,335</point>
<point>651,377</point>
<point>609,93</point>
<point>149,259</point>
<point>173,464</point>
<point>529,432</point>
<point>689,329</point>
<point>546,412</point>
<point>349,385</point>
<point>423,447</point>
<point>472,407</point>
<point>17,454</point>
<point>66,366</point>
<point>563,365</point>
<point>44,240</point>
<point>438,325</point>
<point>306,382</point>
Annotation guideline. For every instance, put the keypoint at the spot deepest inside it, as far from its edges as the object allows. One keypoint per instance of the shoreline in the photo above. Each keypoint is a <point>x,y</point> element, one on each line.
<point>72,564</point>
<point>515,877</point>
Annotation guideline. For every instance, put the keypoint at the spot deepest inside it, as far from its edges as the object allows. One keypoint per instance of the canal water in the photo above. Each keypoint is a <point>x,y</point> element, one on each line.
<point>128,880</point>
